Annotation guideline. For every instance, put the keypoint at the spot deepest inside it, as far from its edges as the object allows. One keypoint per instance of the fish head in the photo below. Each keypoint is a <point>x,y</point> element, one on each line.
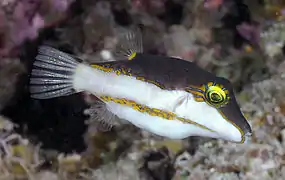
<point>215,109</point>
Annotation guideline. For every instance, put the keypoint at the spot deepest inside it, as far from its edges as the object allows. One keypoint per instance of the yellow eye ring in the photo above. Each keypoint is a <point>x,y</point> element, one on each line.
<point>216,95</point>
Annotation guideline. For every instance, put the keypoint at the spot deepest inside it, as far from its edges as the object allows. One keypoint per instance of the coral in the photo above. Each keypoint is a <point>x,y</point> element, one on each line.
<point>272,38</point>
<point>12,68</point>
<point>218,35</point>
<point>22,20</point>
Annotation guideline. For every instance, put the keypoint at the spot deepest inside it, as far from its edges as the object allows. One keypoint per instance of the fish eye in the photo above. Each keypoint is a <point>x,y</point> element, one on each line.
<point>216,95</point>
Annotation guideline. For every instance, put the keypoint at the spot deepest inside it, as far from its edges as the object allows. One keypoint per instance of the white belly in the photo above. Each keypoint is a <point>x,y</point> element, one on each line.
<point>179,102</point>
<point>173,129</point>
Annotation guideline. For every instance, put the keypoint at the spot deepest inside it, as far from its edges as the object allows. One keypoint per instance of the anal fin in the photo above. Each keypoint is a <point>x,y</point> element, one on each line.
<point>101,117</point>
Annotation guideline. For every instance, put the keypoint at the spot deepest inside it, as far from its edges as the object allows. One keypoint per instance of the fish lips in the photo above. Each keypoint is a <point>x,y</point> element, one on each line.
<point>233,115</point>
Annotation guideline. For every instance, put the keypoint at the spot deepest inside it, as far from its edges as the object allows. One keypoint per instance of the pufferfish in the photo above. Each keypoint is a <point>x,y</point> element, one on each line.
<point>166,96</point>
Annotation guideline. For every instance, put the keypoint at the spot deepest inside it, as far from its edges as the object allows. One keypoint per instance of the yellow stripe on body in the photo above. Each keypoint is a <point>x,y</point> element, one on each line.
<point>123,71</point>
<point>157,112</point>
<point>151,111</point>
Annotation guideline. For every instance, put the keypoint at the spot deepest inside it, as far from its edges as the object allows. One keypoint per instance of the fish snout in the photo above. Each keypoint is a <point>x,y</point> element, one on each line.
<point>238,133</point>
<point>247,133</point>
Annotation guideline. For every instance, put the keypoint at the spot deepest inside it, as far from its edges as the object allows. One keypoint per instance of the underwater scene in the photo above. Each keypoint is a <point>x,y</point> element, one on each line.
<point>142,90</point>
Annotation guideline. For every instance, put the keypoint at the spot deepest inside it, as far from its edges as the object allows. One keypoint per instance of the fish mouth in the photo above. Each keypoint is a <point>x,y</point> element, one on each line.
<point>247,133</point>
<point>246,138</point>
<point>236,134</point>
<point>240,126</point>
<point>243,139</point>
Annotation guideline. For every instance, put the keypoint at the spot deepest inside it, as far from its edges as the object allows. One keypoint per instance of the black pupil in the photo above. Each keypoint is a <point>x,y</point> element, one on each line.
<point>216,97</point>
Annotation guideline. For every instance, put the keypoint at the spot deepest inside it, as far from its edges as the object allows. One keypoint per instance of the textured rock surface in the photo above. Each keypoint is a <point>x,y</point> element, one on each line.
<point>222,36</point>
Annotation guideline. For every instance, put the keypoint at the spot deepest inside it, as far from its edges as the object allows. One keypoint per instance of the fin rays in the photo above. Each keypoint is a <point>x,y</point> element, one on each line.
<point>53,93</point>
<point>52,74</point>
<point>53,61</point>
<point>101,116</point>
<point>61,56</point>
<point>37,72</point>
<point>51,66</point>
<point>35,89</point>
<point>47,81</point>
<point>129,43</point>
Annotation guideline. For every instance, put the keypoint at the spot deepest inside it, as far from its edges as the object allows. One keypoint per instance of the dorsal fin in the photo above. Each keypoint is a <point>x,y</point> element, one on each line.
<point>129,43</point>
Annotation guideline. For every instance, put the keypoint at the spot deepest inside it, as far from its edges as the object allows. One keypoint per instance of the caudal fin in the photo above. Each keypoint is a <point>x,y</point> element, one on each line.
<point>52,74</point>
